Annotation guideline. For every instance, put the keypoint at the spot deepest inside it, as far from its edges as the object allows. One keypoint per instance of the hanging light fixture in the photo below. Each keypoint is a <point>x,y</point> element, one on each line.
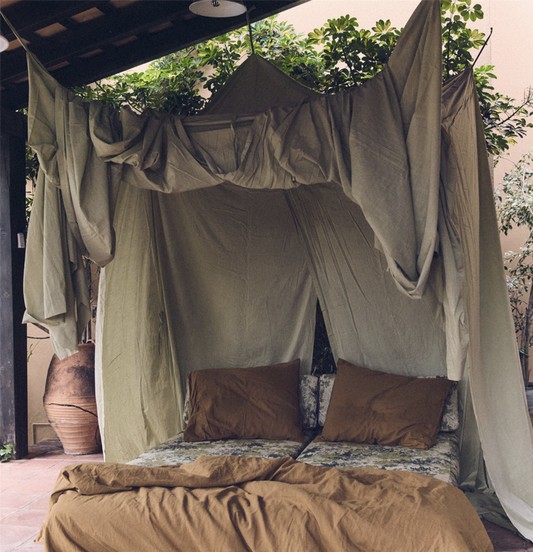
<point>218,8</point>
<point>4,43</point>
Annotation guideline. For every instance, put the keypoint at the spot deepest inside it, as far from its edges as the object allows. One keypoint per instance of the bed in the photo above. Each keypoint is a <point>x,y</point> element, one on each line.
<point>440,461</point>
<point>300,493</point>
<point>218,239</point>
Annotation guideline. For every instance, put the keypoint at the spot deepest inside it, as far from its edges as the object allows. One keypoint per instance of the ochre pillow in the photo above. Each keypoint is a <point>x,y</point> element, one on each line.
<point>368,406</point>
<point>245,403</point>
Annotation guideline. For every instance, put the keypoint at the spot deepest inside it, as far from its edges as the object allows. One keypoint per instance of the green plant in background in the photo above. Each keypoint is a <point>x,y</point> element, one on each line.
<point>6,452</point>
<point>458,40</point>
<point>32,168</point>
<point>170,85</point>
<point>350,55</point>
<point>181,83</point>
<point>514,203</point>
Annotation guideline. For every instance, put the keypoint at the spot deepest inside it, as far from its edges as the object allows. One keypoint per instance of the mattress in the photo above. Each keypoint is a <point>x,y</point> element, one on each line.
<point>440,461</point>
<point>175,451</point>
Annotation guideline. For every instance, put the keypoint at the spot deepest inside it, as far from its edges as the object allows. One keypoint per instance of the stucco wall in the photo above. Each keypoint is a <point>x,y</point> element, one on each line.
<point>39,356</point>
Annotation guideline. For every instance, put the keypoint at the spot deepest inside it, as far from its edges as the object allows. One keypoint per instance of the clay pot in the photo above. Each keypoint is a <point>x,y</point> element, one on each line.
<point>70,401</point>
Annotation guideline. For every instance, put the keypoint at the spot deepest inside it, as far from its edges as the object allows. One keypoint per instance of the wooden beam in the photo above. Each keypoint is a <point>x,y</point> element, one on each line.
<point>13,364</point>
<point>101,38</point>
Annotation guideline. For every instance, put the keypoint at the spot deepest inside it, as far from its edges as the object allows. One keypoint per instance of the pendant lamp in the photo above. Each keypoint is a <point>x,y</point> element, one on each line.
<point>4,43</point>
<point>218,8</point>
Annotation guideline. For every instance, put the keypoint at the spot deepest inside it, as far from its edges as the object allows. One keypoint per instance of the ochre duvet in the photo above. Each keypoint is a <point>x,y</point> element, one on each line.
<point>233,504</point>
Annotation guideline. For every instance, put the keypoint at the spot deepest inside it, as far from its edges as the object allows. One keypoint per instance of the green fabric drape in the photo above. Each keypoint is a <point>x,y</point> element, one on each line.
<point>333,138</point>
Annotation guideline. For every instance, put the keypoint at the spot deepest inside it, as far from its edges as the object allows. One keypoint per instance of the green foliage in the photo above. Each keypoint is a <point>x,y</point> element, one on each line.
<point>458,40</point>
<point>6,452</point>
<point>350,55</point>
<point>181,83</point>
<point>170,86</point>
<point>504,121</point>
<point>514,203</point>
<point>32,168</point>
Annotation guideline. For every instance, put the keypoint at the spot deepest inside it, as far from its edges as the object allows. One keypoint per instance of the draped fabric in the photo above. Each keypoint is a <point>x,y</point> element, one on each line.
<point>373,200</point>
<point>493,377</point>
<point>357,292</point>
<point>325,139</point>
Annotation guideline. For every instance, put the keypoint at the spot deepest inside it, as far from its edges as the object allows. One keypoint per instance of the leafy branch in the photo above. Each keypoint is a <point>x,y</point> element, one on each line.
<point>514,203</point>
<point>6,452</point>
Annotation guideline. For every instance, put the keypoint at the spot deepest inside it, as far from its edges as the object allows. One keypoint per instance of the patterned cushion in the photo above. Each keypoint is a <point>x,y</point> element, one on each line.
<point>450,417</point>
<point>308,402</point>
<point>325,387</point>
<point>440,461</point>
<point>176,451</point>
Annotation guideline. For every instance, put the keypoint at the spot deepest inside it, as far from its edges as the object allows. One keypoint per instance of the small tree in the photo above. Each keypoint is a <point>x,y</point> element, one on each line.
<point>514,203</point>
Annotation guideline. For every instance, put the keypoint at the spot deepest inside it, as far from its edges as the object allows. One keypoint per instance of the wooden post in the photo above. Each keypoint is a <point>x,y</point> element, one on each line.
<point>13,363</point>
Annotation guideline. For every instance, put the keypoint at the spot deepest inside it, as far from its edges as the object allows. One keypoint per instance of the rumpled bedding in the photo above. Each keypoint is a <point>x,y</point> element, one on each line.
<point>256,504</point>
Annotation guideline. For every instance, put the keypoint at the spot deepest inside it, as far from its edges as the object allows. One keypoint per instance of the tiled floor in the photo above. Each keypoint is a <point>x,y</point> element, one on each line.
<point>25,487</point>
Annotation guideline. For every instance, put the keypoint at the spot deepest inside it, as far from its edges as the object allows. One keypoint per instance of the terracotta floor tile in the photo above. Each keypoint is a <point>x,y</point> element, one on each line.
<point>46,475</point>
<point>63,464</point>
<point>85,458</point>
<point>4,512</point>
<point>23,476</point>
<point>59,456</point>
<point>7,483</point>
<point>13,536</point>
<point>21,465</point>
<point>24,517</point>
<point>40,503</point>
<point>29,547</point>
<point>10,499</point>
<point>33,486</point>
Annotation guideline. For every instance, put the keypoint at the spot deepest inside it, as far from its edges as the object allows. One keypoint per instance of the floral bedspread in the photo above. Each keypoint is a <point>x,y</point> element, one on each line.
<point>440,461</point>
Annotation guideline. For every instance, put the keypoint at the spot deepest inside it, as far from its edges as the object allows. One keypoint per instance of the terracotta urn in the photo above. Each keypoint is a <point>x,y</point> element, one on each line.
<point>70,401</point>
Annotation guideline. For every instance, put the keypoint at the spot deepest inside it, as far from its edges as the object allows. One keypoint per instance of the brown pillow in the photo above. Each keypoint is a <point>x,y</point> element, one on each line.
<point>245,403</point>
<point>368,406</point>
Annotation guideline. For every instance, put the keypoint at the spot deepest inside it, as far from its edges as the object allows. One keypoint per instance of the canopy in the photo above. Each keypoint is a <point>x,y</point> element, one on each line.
<point>219,232</point>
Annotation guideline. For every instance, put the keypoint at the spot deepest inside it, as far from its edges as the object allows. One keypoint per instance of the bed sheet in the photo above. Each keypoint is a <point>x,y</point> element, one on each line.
<point>175,451</point>
<point>440,461</point>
